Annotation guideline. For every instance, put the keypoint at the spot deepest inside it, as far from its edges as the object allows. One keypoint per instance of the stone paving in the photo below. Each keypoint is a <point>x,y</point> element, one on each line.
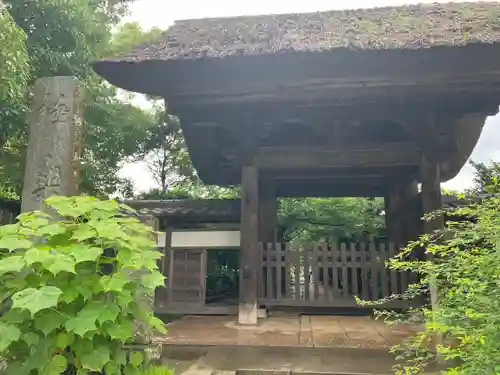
<point>286,331</point>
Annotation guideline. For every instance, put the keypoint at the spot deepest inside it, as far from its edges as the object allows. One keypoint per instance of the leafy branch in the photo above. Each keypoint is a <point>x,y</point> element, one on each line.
<point>66,311</point>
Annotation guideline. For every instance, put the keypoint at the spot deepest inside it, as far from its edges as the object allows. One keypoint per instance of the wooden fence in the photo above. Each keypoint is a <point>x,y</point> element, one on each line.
<point>329,277</point>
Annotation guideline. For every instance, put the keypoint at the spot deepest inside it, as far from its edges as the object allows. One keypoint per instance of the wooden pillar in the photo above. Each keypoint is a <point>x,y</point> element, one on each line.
<point>402,218</point>
<point>392,224</point>
<point>54,130</point>
<point>431,194</point>
<point>432,201</point>
<point>249,258</point>
<point>268,212</point>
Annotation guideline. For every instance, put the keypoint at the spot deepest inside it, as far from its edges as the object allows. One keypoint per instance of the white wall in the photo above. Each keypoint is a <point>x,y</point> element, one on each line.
<point>162,237</point>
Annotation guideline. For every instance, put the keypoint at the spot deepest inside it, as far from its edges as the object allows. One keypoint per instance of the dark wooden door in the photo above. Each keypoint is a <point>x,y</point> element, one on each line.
<point>187,277</point>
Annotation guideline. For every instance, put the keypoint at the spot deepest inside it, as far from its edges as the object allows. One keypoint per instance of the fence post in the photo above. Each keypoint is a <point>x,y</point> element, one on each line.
<point>54,129</point>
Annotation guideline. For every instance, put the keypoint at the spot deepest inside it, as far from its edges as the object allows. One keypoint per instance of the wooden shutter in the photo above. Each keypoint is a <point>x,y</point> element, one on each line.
<point>186,284</point>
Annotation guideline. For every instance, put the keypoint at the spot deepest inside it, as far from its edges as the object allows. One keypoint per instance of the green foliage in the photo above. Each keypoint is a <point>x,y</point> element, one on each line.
<point>184,189</point>
<point>331,219</point>
<point>14,66</point>
<point>63,37</point>
<point>222,275</point>
<point>70,288</point>
<point>486,178</point>
<point>157,370</point>
<point>130,35</point>
<point>465,269</point>
<point>14,76</point>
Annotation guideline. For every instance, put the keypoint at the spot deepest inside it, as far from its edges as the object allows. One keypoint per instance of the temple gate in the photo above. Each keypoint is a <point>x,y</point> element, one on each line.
<point>362,103</point>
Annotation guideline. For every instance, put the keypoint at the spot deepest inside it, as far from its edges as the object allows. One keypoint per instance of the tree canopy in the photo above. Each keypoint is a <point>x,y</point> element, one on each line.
<point>55,37</point>
<point>486,177</point>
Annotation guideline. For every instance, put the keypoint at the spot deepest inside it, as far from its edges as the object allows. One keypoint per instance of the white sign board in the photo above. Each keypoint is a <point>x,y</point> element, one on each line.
<point>206,239</point>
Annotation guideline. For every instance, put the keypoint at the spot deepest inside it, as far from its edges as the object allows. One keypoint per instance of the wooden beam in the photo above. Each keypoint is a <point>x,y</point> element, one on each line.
<point>266,115</point>
<point>249,258</point>
<point>301,190</point>
<point>398,154</point>
<point>410,172</point>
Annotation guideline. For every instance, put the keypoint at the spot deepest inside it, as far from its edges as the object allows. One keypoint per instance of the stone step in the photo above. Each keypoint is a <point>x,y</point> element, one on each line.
<point>291,372</point>
<point>243,360</point>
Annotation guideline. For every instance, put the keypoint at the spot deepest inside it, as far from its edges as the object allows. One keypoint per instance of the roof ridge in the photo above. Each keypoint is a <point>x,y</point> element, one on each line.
<point>435,4</point>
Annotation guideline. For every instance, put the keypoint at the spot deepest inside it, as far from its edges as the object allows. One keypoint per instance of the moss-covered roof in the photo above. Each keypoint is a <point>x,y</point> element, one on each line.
<point>403,27</point>
<point>196,210</point>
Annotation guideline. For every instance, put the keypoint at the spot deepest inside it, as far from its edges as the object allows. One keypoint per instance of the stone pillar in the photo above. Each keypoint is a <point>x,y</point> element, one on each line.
<point>249,258</point>
<point>55,127</point>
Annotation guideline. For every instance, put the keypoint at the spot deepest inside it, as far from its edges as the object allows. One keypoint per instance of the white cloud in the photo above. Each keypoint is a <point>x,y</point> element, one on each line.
<point>162,13</point>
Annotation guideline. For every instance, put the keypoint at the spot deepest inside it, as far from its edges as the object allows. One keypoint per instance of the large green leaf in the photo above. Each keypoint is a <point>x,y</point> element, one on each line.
<point>14,263</point>
<point>38,358</point>
<point>53,229</point>
<point>84,232</point>
<point>136,358</point>
<point>50,320</point>
<point>109,312</point>
<point>37,255</point>
<point>60,263</point>
<point>84,253</point>
<point>155,323</point>
<point>115,282</point>
<point>35,300</point>
<point>56,366</point>
<point>14,243</point>
<point>64,339</point>
<point>85,320</point>
<point>70,294</point>
<point>112,368</point>
<point>97,359</point>
<point>146,259</point>
<point>153,280</point>
<point>16,317</point>
<point>121,331</point>
<point>8,335</point>
<point>30,338</point>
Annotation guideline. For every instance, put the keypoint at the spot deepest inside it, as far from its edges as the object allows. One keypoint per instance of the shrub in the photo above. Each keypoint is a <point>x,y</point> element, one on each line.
<point>157,370</point>
<point>466,271</point>
<point>70,288</point>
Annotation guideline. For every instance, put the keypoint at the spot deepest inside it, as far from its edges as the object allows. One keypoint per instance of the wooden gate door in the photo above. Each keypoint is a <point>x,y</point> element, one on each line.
<point>187,279</point>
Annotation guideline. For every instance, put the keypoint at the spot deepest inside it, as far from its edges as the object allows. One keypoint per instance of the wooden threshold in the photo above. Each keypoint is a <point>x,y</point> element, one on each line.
<point>189,309</point>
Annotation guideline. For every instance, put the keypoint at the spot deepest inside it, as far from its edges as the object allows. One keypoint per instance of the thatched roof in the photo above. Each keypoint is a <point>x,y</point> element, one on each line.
<point>181,210</point>
<point>192,210</point>
<point>403,27</point>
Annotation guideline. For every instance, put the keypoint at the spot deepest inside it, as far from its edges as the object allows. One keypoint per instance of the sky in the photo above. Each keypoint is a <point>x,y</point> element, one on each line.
<point>162,13</point>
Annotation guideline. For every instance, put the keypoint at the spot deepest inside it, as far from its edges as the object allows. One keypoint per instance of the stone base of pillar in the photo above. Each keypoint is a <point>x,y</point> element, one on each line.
<point>247,314</point>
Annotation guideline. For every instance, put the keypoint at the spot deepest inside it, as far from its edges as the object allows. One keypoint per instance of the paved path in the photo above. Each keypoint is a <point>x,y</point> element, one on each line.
<point>287,331</point>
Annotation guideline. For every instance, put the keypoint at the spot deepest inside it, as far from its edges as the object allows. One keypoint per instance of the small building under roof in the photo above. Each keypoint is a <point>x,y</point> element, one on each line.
<point>364,102</point>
